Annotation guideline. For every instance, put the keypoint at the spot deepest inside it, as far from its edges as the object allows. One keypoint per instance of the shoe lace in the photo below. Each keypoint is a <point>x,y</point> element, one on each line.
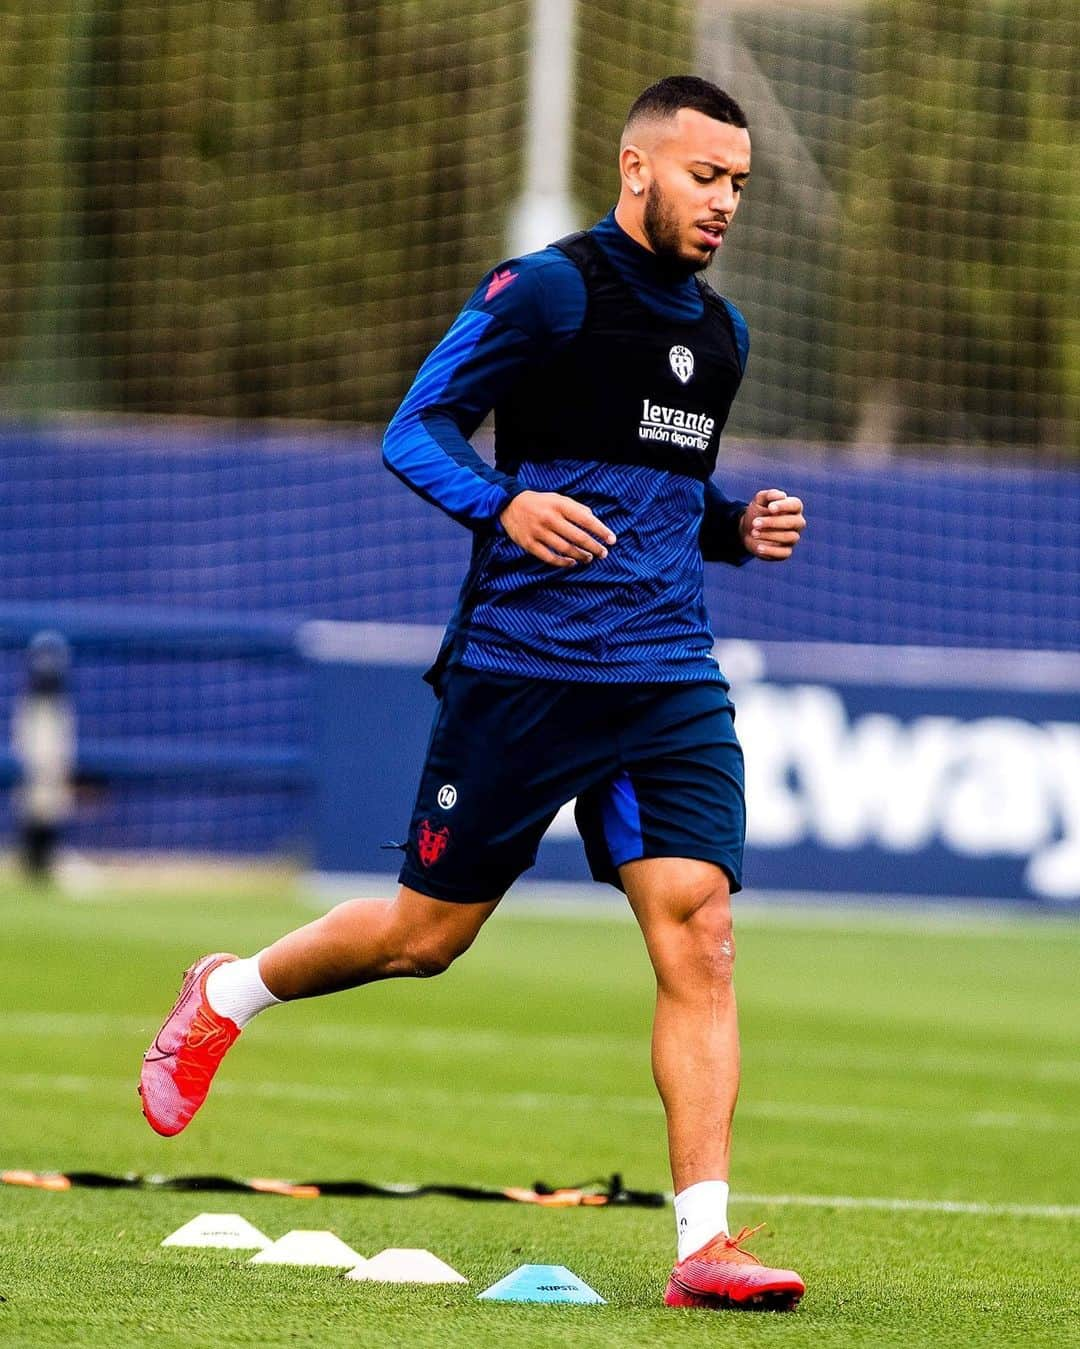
<point>210,1039</point>
<point>734,1244</point>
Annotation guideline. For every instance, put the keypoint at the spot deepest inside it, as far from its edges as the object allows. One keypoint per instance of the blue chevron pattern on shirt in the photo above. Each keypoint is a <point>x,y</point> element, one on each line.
<point>636,616</point>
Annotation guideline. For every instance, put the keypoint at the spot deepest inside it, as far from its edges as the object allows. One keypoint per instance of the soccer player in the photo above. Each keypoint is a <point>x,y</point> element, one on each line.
<point>578,662</point>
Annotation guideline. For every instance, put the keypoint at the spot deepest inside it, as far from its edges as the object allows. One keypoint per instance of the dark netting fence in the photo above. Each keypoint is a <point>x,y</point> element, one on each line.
<point>267,209</point>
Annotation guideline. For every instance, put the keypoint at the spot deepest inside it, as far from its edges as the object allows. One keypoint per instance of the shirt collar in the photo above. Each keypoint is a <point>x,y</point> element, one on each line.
<point>639,259</point>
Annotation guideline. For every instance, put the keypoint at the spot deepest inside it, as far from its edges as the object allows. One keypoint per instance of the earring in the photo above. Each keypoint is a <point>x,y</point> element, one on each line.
<point>636,191</point>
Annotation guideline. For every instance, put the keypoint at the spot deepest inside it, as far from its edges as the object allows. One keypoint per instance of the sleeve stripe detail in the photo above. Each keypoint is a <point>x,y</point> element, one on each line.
<point>461,484</point>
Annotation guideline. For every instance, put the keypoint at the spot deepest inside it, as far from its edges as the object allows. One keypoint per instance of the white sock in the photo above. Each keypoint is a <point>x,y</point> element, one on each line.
<point>236,990</point>
<point>700,1213</point>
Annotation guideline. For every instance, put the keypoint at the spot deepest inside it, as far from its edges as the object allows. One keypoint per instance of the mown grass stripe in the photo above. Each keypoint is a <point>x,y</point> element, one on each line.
<point>319,1093</point>
<point>460,1039</point>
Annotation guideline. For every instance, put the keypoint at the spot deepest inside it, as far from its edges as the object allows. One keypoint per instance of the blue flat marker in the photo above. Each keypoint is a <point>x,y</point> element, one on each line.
<point>541,1283</point>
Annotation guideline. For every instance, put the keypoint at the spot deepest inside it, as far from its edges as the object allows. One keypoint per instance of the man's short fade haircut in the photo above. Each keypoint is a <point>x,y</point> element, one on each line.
<point>664,99</point>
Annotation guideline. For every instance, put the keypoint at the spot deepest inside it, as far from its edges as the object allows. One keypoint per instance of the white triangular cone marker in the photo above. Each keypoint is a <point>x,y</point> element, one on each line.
<point>406,1266</point>
<point>226,1230</point>
<point>309,1248</point>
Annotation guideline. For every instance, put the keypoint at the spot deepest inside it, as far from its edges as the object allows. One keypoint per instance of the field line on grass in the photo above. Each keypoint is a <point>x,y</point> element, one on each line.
<point>854,1201</point>
<point>490,1041</point>
<point>319,1093</point>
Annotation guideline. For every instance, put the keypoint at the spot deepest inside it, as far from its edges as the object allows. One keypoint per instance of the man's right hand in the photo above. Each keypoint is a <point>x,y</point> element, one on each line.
<point>556,529</point>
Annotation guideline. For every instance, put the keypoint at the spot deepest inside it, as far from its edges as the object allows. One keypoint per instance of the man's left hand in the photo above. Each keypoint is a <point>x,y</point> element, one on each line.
<point>771,525</point>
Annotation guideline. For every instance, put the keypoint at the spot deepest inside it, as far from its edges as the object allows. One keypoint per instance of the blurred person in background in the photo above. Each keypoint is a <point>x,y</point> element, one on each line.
<point>579,661</point>
<point>43,742</point>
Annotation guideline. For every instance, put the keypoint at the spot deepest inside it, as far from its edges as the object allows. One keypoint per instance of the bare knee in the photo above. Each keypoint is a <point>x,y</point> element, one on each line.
<point>694,942</point>
<point>423,956</point>
<point>712,937</point>
<point>420,946</point>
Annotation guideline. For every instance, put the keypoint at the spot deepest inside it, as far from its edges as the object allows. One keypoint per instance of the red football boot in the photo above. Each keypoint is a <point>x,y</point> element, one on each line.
<point>721,1274</point>
<point>180,1065</point>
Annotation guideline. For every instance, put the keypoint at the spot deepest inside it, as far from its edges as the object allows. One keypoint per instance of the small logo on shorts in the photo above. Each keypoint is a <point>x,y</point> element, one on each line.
<point>431,842</point>
<point>447,797</point>
<point>682,363</point>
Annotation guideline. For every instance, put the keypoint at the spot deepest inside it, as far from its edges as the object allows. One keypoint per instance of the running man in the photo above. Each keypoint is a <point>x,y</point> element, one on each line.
<point>578,663</point>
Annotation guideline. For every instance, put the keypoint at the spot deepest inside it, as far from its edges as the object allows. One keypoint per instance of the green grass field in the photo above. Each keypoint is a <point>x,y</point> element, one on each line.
<point>885,1057</point>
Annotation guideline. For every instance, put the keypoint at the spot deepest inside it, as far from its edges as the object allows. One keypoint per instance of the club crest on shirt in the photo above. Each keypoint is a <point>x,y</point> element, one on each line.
<point>682,363</point>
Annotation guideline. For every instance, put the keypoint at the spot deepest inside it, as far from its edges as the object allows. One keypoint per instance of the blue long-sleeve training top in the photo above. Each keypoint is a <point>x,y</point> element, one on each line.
<point>637,615</point>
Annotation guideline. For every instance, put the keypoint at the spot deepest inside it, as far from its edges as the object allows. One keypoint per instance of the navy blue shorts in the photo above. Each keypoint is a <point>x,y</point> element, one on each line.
<point>656,769</point>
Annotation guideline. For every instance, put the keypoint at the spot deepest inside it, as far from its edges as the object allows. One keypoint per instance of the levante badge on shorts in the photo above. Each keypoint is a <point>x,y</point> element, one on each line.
<point>431,842</point>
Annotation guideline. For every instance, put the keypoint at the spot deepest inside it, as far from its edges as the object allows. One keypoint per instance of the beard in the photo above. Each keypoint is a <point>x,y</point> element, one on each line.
<point>661,227</point>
